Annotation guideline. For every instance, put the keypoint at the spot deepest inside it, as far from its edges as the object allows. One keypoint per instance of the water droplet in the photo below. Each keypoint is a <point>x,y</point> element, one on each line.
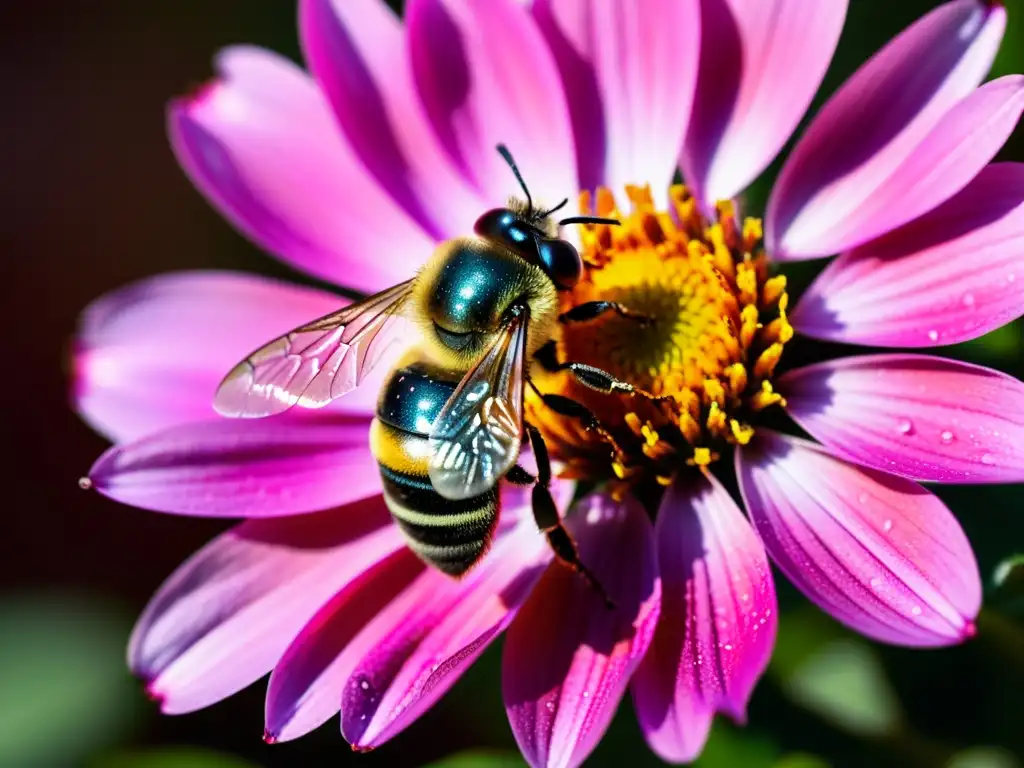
<point>933,335</point>
<point>875,582</point>
<point>947,436</point>
<point>364,684</point>
<point>968,299</point>
<point>586,694</point>
<point>362,716</point>
<point>727,646</point>
<point>988,458</point>
<point>916,610</point>
<point>84,483</point>
<point>887,526</point>
<point>744,597</point>
<point>905,427</point>
<point>550,706</point>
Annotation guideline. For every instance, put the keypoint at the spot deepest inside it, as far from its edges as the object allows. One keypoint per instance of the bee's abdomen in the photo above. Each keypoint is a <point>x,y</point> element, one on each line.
<point>449,535</point>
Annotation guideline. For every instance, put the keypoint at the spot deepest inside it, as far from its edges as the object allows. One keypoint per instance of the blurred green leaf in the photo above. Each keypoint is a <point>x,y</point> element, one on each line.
<point>730,746</point>
<point>171,757</point>
<point>845,683</point>
<point>1004,342</point>
<point>983,757</point>
<point>479,758</point>
<point>66,690</point>
<point>800,760</point>
<point>1009,574</point>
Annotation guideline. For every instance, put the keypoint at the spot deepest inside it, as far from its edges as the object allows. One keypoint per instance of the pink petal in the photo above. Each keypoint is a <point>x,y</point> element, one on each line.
<point>878,552</point>
<point>881,133</point>
<point>952,275</point>
<point>921,417</point>
<point>742,113</point>
<point>479,92</point>
<point>357,52</point>
<point>227,614</point>
<point>244,468</point>
<point>717,625</point>
<point>629,69</point>
<point>568,657</point>
<point>261,143</point>
<point>150,355</point>
<point>389,646</point>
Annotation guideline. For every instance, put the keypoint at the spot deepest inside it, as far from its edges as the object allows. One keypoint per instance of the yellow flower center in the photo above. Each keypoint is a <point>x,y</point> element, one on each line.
<point>717,327</point>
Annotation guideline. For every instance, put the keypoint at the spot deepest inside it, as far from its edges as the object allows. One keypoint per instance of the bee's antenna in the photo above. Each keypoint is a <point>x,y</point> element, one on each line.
<point>590,220</point>
<point>549,211</point>
<point>503,151</point>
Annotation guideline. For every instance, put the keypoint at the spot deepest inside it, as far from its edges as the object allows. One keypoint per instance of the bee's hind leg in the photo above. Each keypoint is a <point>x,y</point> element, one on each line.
<point>545,513</point>
<point>592,376</point>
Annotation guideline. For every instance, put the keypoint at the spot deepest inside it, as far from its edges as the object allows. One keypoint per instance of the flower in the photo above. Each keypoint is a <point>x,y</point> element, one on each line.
<point>354,174</point>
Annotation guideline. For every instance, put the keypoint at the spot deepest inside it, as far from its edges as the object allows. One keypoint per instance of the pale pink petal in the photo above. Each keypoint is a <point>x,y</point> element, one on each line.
<point>356,50</point>
<point>879,135</point>
<point>486,77</point>
<point>389,646</point>
<point>878,552</point>
<point>568,657</point>
<point>293,463</point>
<point>743,114</point>
<point>921,417</point>
<point>718,620</point>
<point>628,68</point>
<point>262,144</point>
<point>952,275</point>
<point>227,614</point>
<point>150,355</point>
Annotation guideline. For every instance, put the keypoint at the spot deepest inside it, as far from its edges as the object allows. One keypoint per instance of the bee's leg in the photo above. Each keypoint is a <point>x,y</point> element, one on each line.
<point>592,309</point>
<point>590,376</point>
<point>546,515</point>
<point>519,476</point>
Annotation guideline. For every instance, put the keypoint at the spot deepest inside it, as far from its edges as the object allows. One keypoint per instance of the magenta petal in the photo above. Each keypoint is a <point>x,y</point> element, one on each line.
<point>568,657</point>
<point>921,417</point>
<point>244,468</point>
<point>356,50</point>
<point>952,275</point>
<point>878,552</point>
<point>150,355</point>
<point>886,130</point>
<point>479,92</point>
<point>628,68</point>
<point>718,620</point>
<point>261,143</point>
<point>390,645</point>
<point>227,614</point>
<point>742,116</point>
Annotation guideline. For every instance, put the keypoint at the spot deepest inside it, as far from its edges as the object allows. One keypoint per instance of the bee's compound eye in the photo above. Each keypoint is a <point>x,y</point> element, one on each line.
<point>562,262</point>
<point>502,225</point>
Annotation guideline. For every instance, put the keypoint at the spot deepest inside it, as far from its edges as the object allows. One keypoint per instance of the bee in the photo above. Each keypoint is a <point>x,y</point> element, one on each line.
<point>449,422</point>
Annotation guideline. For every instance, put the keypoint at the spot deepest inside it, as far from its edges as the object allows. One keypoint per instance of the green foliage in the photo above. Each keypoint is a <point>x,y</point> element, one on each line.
<point>479,758</point>
<point>171,757</point>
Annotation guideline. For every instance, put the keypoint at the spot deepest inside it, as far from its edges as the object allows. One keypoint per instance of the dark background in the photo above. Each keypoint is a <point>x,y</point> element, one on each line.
<point>93,199</point>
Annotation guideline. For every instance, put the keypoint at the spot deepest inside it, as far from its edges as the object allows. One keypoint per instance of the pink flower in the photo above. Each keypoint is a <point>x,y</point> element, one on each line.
<point>356,173</point>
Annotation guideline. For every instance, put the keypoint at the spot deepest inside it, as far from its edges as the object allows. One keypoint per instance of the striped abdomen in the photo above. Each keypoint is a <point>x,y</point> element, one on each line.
<point>449,535</point>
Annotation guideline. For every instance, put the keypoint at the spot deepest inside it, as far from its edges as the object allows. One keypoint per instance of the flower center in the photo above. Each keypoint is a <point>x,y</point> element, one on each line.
<point>714,332</point>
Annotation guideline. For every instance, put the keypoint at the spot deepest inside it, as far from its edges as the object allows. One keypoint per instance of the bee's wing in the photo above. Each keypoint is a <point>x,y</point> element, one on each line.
<point>476,437</point>
<point>316,362</point>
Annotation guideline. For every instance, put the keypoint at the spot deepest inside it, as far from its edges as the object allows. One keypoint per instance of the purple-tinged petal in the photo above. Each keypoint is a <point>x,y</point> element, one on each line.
<point>486,77</point>
<point>718,620</point>
<point>878,552</point>
<point>629,69</point>
<point>357,52</point>
<point>921,417</point>
<point>287,465</point>
<point>952,275</point>
<point>262,144</point>
<point>873,138</point>
<point>150,355</point>
<point>741,115</point>
<point>568,657</point>
<point>388,647</point>
<point>224,618</point>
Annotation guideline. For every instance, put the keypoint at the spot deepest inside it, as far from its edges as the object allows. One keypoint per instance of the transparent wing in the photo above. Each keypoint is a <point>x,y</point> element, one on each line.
<point>476,437</point>
<point>317,362</point>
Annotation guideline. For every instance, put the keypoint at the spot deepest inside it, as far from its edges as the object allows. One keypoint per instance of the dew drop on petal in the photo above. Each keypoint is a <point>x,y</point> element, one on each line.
<point>905,427</point>
<point>84,483</point>
<point>947,436</point>
<point>887,526</point>
<point>988,459</point>
<point>916,610</point>
<point>876,582</point>
<point>933,335</point>
<point>550,706</point>
<point>968,299</point>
